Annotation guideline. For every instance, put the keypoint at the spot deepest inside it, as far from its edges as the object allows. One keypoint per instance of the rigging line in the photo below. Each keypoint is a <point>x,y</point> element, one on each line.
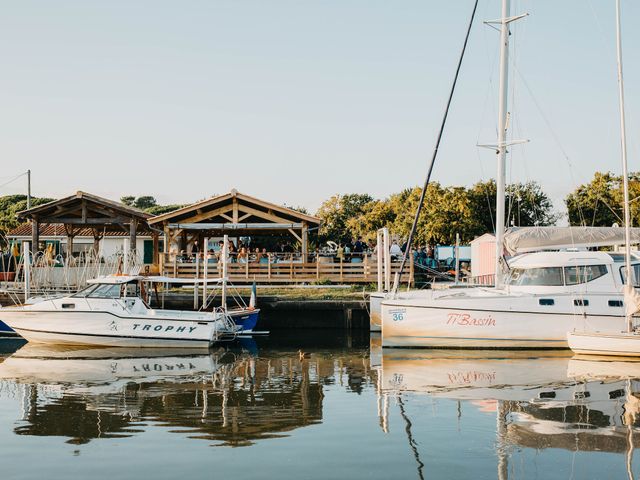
<point>412,443</point>
<point>13,179</point>
<point>553,135</point>
<point>407,250</point>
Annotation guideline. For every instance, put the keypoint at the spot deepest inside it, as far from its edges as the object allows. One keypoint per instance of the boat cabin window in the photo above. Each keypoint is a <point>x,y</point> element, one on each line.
<point>635,272</point>
<point>545,276</point>
<point>583,273</point>
<point>106,291</point>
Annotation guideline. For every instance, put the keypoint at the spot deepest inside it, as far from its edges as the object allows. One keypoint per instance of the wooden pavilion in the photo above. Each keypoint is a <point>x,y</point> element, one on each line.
<point>235,214</point>
<point>83,210</point>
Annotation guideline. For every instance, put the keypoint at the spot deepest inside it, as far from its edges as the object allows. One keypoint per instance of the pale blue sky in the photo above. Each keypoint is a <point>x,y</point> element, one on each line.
<point>296,100</point>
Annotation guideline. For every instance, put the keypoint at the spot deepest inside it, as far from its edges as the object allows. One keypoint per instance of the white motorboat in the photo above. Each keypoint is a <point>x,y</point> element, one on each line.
<point>546,295</point>
<point>111,312</point>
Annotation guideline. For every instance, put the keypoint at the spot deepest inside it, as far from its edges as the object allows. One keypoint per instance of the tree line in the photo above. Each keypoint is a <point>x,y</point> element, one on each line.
<point>468,211</point>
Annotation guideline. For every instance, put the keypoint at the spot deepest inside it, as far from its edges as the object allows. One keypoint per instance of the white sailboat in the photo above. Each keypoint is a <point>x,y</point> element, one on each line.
<point>543,295</point>
<point>621,343</point>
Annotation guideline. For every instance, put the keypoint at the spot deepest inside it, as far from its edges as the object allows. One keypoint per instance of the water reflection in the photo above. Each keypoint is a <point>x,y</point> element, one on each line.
<point>509,413</point>
<point>541,400</point>
<point>230,396</point>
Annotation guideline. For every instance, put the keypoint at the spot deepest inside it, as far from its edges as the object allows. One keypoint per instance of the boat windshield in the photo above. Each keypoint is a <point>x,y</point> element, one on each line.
<point>556,276</point>
<point>108,290</point>
<point>547,276</point>
<point>635,274</point>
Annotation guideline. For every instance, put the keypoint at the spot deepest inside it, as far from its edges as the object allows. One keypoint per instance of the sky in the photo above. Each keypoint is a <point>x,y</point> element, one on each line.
<point>294,101</point>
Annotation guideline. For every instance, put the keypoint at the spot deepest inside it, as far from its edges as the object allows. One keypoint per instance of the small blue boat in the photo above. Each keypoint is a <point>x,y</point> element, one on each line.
<point>247,319</point>
<point>6,331</point>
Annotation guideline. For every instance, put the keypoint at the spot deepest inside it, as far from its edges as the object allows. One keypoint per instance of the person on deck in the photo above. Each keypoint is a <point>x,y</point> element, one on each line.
<point>395,251</point>
<point>358,247</point>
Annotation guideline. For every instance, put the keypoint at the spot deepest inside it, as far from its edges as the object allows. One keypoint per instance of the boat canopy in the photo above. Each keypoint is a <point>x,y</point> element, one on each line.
<point>533,239</point>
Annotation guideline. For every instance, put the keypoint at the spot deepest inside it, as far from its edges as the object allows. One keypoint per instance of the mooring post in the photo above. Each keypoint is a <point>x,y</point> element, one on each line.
<point>456,254</point>
<point>196,287</point>
<point>26,261</point>
<point>205,271</point>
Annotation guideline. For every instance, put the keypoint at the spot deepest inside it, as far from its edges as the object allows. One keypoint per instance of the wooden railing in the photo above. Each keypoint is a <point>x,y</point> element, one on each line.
<point>282,271</point>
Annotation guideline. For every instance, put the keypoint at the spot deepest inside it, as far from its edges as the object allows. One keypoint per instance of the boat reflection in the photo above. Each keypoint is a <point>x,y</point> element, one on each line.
<point>541,399</point>
<point>230,396</point>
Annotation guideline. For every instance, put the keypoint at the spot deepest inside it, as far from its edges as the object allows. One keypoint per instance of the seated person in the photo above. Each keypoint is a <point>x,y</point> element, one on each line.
<point>395,251</point>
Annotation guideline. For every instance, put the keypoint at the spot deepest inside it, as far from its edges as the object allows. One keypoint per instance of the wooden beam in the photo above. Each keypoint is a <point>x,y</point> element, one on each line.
<point>235,210</point>
<point>84,211</point>
<point>205,215</point>
<point>267,216</point>
<point>292,232</point>
<point>244,217</point>
<point>88,221</point>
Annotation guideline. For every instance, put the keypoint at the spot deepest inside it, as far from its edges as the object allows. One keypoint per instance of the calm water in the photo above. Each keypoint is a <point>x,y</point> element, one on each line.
<point>344,410</point>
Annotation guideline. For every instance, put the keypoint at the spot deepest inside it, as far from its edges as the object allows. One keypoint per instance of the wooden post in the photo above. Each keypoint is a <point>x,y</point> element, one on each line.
<point>156,248</point>
<point>341,275</point>
<point>457,255</point>
<point>69,246</point>
<point>410,269</point>
<point>318,266</point>
<point>133,235</point>
<point>96,244</point>
<point>269,267</point>
<point>305,242</point>
<point>246,267</point>
<point>26,263</point>
<point>196,287</point>
<point>225,259</point>
<point>365,266</point>
<point>35,234</point>
<point>205,272</point>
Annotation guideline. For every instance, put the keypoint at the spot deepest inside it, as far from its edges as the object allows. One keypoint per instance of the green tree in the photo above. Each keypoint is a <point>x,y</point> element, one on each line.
<point>526,205</point>
<point>599,202</point>
<point>10,205</point>
<point>145,202</point>
<point>336,212</point>
<point>149,204</point>
<point>161,209</point>
<point>128,200</point>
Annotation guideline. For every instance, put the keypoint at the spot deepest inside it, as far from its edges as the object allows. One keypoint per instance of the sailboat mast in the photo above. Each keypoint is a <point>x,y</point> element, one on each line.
<point>502,138</point>
<point>625,173</point>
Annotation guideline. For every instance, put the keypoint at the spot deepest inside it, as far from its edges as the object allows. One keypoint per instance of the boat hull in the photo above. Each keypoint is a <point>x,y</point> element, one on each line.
<point>107,329</point>
<point>616,345</point>
<point>449,327</point>
<point>245,319</point>
<point>6,330</point>
<point>375,311</point>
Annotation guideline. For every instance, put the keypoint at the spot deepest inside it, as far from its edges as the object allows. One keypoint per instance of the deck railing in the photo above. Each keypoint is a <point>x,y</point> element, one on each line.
<point>287,268</point>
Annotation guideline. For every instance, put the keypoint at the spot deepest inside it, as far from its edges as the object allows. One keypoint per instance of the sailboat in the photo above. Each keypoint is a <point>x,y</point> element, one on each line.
<point>538,297</point>
<point>625,343</point>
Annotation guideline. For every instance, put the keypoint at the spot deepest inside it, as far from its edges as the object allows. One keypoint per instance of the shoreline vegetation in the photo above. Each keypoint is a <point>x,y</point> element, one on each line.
<point>448,210</point>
